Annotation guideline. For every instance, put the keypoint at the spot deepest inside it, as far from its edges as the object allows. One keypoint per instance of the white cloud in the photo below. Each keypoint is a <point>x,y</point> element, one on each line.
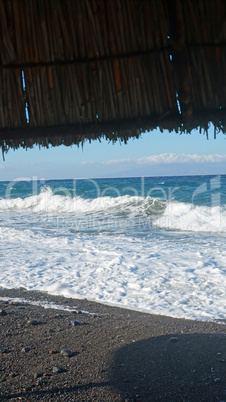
<point>163,159</point>
<point>121,161</point>
<point>181,158</point>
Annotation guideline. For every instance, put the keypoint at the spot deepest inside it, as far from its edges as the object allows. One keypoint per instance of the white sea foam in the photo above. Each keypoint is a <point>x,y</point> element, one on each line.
<point>44,304</point>
<point>187,217</point>
<point>155,275</point>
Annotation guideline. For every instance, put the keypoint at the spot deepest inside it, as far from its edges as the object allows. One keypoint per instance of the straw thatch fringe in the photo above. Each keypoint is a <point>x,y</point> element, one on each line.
<point>72,70</point>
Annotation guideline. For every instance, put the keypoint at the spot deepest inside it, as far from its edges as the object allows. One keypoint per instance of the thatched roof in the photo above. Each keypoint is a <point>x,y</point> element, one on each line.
<point>77,69</point>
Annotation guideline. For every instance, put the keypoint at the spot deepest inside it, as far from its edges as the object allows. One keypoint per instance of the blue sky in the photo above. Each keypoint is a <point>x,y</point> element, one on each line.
<point>154,154</point>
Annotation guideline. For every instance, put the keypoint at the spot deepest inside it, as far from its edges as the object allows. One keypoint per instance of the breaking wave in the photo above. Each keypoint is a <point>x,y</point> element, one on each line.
<point>171,215</point>
<point>188,217</point>
<point>47,201</point>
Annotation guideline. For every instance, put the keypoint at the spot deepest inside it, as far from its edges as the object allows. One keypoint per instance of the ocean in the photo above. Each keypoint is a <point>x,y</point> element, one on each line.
<point>151,244</point>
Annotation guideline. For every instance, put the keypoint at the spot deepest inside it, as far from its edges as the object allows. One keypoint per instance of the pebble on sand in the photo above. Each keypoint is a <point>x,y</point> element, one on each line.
<point>2,312</point>
<point>33,321</point>
<point>3,350</point>
<point>38,374</point>
<point>57,369</point>
<point>75,322</point>
<point>25,350</point>
<point>173,339</point>
<point>66,352</point>
<point>52,352</point>
<point>217,379</point>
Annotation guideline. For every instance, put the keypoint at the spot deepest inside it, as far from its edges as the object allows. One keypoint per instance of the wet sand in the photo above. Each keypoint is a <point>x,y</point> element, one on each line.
<point>116,354</point>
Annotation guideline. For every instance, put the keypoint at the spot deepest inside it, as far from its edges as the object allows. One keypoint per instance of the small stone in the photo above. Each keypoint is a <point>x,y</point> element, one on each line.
<point>25,350</point>
<point>38,374</point>
<point>38,382</point>
<point>52,352</point>
<point>2,312</point>
<point>75,322</point>
<point>33,321</point>
<point>21,307</point>
<point>66,352</point>
<point>173,339</point>
<point>47,375</point>
<point>14,303</point>
<point>217,379</point>
<point>57,369</point>
<point>3,350</point>
<point>25,389</point>
<point>11,375</point>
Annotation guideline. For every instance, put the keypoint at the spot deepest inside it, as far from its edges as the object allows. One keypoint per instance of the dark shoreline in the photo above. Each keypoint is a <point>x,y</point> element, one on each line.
<point>117,354</point>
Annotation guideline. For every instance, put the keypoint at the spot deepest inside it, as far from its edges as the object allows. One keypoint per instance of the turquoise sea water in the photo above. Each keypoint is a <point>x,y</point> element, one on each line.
<point>180,188</point>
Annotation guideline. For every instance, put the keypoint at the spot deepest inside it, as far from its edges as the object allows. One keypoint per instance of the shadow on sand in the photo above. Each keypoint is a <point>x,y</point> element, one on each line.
<point>188,368</point>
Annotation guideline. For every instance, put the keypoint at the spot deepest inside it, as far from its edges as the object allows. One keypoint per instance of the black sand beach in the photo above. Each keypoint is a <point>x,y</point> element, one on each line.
<point>116,354</point>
